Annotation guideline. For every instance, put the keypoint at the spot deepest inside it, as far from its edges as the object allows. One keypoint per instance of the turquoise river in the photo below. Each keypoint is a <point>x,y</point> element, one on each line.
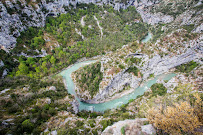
<point>113,103</point>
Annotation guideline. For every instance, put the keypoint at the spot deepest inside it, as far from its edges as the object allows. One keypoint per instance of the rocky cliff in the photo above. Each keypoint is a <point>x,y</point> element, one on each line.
<point>17,16</point>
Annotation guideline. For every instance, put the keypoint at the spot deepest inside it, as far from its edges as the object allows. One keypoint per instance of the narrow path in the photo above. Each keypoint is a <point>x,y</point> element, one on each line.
<point>82,21</point>
<point>78,32</point>
<point>99,26</point>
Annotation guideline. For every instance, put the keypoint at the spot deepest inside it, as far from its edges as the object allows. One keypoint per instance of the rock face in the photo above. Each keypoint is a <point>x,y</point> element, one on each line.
<point>1,63</point>
<point>75,105</point>
<point>158,65</point>
<point>17,16</point>
<point>147,16</point>
<point>130,127</point>
<point>148,129</point>
<point>199,29</point>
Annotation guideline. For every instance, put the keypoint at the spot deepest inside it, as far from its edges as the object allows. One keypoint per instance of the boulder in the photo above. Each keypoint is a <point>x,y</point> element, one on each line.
<point>130,127</point>
<point>52,88</point>
<point>148,129</point>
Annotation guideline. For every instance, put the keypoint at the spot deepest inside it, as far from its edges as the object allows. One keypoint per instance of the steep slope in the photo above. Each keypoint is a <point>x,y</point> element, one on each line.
<point>17,16</point>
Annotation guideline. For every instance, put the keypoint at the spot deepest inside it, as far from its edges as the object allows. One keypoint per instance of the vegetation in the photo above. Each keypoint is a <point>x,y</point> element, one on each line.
<point>174,9</point>
<point>133,60</point>
<point>89,78</point>
<point>157,32</point>
<point>31,39</point>
<point>123,130</point>
<point>133,70</point>
<point>189,28</point>
<point>151,76</point>
<point>158,89</point>
<point>106,123</point>
<point>179,118</point>
<point>29,102</point>
<point>87,114</point>
<point>169,111</point>
<point>186,68</point>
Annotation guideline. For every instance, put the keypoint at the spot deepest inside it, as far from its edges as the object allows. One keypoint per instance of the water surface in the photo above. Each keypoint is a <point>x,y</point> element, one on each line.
<point>147,38</point>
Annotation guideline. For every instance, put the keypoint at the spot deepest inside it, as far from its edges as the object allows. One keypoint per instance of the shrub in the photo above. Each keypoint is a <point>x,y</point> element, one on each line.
<point>176,119</point>
<point>176,115</point>
<point>158,89</point>
<point>151,76</point>
<point>13,109</point>
<point>125,115</point>
<point>189,28</point>
<point>27,125</point>
<point>121,66</point>
<point>79,123</point>
<point>92,123</point>
<point>106,123</point>
<point>133,70</point>
<point>52,111</point>
<point>186,68</point>
<point>131,100</point>
<point>123,130</point>
<point>146,122</point>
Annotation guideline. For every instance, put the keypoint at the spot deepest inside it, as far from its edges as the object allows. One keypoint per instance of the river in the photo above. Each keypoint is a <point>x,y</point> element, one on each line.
<point>147,38</point>
<point>113,103</point>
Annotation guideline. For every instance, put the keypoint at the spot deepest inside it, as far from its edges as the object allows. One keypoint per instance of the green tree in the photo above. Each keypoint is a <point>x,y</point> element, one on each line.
<point>61,54</point>
<point>87,54</point>
<point>27,125</point>
<point>30,61</point>
<point>22,69</point>
<point>53,60</point>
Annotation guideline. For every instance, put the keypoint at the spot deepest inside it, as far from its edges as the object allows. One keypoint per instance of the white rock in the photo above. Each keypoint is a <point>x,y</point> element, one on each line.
<point>52,88</point>
<point>149,129</point>
<point>115,129</point>
<point>5,72</point>
<point>54,132</point>
<point>199,29</point>
<point>4,91</point>
<point>82,21</point>
<point>1,63</point>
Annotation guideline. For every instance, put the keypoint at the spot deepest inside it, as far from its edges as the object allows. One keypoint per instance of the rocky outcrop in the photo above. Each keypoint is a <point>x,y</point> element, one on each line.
<point>199,29</point>
<point>1,63</point>
<point>16,17</point>
<point>44,53</point>
<point>75,106</point>
<point>130,127</point>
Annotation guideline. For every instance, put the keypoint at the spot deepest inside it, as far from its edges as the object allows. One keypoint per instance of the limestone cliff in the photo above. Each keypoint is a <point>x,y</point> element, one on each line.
<point>17,16</point>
